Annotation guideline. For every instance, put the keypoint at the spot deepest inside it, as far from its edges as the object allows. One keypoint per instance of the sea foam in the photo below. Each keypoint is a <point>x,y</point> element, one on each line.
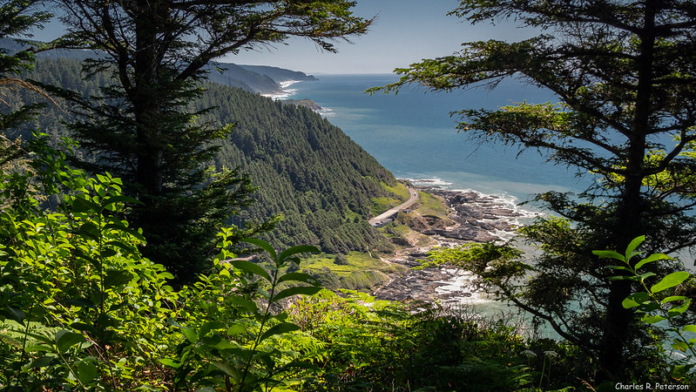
<point>286,92</point>
<point>463,282</point>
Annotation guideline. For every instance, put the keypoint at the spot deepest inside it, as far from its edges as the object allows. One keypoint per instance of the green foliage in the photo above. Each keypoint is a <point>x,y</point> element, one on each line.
<point>361,271</point>
<point>618,70</point>
<point>74,283</point>
<point>230,342</point>
<point>499,267</point>
<point>430,205</point>
<point>376,345</point>
<point>81,309</point>
<point>396,193</point>
<point>653,303</point>
<point>503,270</point>
<point>340,260</point>
<point>305,168</point>
<point>140,126</point>
<point>488,260</point>
<point>162,154</point>
<point>384,204</point>
<point>17,18</point>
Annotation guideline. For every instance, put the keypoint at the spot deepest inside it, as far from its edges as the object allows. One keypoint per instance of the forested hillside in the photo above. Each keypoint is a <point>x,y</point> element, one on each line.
<point>278,74</point>
<point>235,76</point>
<point>307,169</point>
<point>253,78</point>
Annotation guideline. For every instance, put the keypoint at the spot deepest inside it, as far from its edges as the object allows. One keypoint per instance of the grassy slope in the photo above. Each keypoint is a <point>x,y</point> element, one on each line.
<point>366,271</point>
<point>427,206</point>
<point>382,204</point>
<point>431,205</point>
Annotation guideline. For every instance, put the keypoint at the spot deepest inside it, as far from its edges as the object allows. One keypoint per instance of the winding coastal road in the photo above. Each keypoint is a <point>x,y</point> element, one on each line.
<point>384,217</point>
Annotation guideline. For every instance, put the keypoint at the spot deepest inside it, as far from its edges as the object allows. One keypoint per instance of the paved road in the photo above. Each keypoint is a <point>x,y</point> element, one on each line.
<point>381,218</point>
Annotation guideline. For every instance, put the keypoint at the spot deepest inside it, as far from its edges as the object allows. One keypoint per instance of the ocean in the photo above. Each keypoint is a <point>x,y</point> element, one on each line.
<point>413,135</point>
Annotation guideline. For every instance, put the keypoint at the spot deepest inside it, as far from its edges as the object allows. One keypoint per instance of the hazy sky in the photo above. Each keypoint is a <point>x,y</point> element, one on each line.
<point>404,32</point>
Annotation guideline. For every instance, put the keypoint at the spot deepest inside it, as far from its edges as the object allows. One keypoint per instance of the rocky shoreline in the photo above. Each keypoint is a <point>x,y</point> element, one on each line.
<point>473,217</point>
<point>479,218</point>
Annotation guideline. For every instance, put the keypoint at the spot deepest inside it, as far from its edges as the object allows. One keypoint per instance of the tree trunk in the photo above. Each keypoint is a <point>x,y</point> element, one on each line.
<point>146,107</point>
<point>629,224</point>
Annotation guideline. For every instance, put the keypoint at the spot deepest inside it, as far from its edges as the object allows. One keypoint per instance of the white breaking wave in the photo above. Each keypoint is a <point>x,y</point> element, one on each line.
<point>288,83</point>
<point>463,283</point>
<point>290,92</point>
<point>505,199</point>
<point>508,202</point>
<point>438,182</point>
<point>326,112</point>
<point>286,92</point>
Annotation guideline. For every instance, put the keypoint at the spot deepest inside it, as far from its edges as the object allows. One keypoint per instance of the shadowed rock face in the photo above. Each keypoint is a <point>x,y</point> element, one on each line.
<point>435,222</point>
<point>400,241</point>
<point>419,224</point>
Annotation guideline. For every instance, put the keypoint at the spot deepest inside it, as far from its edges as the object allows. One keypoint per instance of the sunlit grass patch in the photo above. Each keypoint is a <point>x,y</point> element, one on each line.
<point>431,205</point>
<point>357,262</point>
<point>382,204</point>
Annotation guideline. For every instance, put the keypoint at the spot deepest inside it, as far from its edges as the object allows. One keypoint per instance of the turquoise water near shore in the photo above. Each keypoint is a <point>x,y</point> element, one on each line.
<point>413,135</point>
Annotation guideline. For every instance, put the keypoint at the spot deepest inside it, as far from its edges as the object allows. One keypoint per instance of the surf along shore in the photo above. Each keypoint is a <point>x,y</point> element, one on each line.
<point>471,217</point>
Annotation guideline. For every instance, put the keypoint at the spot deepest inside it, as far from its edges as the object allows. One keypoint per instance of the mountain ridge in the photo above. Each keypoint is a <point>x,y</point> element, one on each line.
<point>254,78</point>
<point>306,168</point>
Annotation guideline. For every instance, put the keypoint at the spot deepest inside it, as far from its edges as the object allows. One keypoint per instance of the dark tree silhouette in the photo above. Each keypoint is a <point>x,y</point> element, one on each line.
<point>625,76</point>
<point>142,127</point>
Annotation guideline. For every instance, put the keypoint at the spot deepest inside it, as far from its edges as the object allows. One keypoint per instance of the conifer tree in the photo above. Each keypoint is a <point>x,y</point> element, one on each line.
<point>625,77</point>
<point>17,17</point>
<point>142,127</point>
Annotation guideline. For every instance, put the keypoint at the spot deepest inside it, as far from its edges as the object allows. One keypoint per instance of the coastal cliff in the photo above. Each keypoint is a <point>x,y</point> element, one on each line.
<point>470,217</point>
<point>307,103</point>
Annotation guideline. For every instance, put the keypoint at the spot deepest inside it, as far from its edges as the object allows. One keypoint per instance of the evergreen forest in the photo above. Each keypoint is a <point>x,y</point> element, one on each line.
<point>155,223</point>
<point>307,171</point>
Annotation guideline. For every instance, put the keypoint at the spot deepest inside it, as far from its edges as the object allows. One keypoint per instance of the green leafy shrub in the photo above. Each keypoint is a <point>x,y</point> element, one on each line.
<point>378,345</point>
<point>341,259</point>
<point>81,309</point>
<point>659,303</point>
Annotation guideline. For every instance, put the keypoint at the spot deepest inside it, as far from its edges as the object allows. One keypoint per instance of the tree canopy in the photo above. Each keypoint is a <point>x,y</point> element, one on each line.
<point>625,78</point>
<point>17,17</point>
<point>305,168</point>
<point>140,126</point>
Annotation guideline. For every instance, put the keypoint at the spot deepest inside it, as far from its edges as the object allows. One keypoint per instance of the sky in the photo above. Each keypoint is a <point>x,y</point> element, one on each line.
<point>403,32</point>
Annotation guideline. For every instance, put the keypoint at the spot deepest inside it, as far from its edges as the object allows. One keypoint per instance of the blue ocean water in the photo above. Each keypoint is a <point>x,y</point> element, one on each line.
<point>413,135</point>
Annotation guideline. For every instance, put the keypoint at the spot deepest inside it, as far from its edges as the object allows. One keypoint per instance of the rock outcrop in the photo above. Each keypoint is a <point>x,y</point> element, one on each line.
<point>473,218</point>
